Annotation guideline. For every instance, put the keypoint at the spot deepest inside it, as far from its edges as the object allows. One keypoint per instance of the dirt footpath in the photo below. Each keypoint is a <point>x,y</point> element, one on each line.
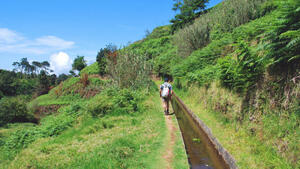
<point>168,155</point>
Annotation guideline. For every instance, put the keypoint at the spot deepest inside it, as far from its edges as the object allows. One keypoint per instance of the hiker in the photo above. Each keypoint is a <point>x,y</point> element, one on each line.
<point>165,93</point>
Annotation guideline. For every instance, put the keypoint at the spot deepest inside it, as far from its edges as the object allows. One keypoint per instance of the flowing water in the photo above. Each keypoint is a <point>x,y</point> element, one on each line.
<point>201,152</point>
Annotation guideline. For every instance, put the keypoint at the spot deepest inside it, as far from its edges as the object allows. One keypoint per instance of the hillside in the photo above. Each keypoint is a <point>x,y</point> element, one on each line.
<point>243,72</point>
<point>87,124</point>
<point>236,67</point>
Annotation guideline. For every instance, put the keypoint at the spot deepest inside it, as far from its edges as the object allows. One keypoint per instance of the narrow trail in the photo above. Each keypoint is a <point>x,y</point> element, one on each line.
<point>168,155</point>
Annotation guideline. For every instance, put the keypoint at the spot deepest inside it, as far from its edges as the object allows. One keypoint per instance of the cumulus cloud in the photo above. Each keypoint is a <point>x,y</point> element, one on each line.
<point>12,42</point>
<point>60,62</point>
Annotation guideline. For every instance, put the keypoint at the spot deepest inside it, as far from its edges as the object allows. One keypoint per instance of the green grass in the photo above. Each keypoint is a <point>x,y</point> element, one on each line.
<point>248,150</point>
<point>112,141</point>
<point>67,92</point>
<point>91,69</point>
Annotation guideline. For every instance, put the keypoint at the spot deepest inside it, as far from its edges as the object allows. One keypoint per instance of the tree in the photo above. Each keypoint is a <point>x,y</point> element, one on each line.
<point>24,64</point>
<point>72,73</point>
<point>37,65</point>
<point>189,10</point>
<point>45,65</point>
<point>13,109</point>
<point>102,57</point>
<point>79,63</point>
<point>7,79</point>
<point>25,67</point>
<point>61,78</point>
<point>44,83</point>
<point>17,66</point>
<point>52,79</point>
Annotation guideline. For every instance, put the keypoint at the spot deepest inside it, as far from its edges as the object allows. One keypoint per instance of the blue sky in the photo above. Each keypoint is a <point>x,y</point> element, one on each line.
<point>59,30</point>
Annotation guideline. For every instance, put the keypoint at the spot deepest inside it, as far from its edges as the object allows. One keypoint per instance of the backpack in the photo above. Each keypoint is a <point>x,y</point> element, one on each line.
<point>166,91</point>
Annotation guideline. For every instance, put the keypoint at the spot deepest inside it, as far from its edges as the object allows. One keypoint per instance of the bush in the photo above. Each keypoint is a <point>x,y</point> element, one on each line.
<point>223,18</point>
<point>283,37</point>
<point>130,69</point>
<point>203,76</point>
<point>13,109</point>
<point>114,100</point>
<point>243,72</point>
<point>50,126</point>
<point>100,105</point>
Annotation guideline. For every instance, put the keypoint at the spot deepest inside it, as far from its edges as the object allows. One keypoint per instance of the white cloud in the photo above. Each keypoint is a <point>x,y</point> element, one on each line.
<point>60,62</point>
<point>54,42</point>
<point>8,36</point>
<point>12,42</point>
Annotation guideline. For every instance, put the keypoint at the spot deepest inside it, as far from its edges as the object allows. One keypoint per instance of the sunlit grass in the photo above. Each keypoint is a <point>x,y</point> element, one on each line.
<point>248,150</point>
<point>112,141</point>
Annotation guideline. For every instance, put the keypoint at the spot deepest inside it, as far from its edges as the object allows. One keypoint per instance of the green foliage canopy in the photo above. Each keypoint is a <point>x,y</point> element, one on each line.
<point>189,10</point>
<point>79,63</point>
<point>13,109</point>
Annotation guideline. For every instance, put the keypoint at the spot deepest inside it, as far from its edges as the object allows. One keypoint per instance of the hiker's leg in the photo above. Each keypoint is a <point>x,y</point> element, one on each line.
<point>164,104</point>
<point>167,105</point>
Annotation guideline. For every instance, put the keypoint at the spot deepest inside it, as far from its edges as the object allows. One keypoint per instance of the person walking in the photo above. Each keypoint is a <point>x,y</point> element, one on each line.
<point>165,93</point>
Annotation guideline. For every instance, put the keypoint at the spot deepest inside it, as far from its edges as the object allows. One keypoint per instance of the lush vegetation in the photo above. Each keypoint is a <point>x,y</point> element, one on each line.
<point>189,11</point>
<point>89,122</point>
<point>110,130</point>
<point>13,109</point>
<point>91,69</point>
<point>245,61</point>
<point>137,72</point>
<point>251,145</point>
<point>236,63</point>
<point>18,87</point>
<point>79,63</point>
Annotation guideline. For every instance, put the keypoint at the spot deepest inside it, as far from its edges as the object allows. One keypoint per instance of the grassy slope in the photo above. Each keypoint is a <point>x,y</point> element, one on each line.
<point>91,69</point>
<point>113,141</point>
<point>271,137</point>
<point>68,92</point>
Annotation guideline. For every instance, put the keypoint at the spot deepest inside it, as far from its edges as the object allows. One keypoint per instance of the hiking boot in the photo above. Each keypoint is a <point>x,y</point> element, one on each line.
<point>166,112</point>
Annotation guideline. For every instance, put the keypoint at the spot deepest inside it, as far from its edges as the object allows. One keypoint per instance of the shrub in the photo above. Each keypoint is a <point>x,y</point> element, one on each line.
<point>130,69</point>
<point>100,105</point>
<point>51,126</point>
<point>125,101</point>
<point>84,79</point>
<point>221,19</point>
<point>203,76</point>
<point>243,72</point>
<point>13,109</point>
<point>283,37</point>
<point>114,100</point>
